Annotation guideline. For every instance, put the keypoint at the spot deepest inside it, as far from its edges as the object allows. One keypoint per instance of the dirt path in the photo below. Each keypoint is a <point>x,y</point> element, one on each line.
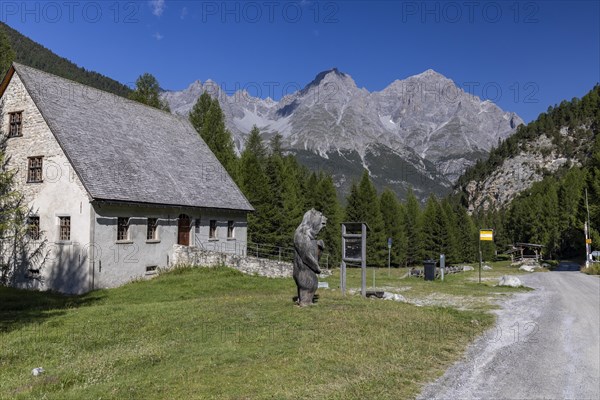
<point>544,346</point>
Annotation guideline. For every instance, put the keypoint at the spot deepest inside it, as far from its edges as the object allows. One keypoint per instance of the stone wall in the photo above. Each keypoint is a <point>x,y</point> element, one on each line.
<point>184,255</point>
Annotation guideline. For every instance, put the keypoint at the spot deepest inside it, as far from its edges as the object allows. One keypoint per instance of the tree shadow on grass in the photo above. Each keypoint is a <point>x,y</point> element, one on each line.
<point>20,307</point>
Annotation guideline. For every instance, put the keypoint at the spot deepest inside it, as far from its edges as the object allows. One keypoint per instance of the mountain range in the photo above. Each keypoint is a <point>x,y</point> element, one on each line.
<point>420,132</point>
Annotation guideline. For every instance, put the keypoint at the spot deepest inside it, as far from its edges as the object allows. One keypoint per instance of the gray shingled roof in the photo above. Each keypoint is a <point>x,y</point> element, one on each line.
<point>126,151</point>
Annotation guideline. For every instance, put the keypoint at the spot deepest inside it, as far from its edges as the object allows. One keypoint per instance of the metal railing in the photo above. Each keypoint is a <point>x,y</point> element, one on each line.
<point>258,250</point>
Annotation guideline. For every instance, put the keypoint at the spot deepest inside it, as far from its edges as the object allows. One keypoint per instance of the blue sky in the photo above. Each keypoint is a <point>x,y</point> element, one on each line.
<point>524,55</point>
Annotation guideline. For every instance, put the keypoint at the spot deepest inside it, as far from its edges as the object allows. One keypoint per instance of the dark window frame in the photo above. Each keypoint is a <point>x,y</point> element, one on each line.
<point>122,229</point>
<point>35,169</point>
<point>152,229</point>
<point>230,229</point>
<point>212,229</point>
<point>15,124</point>
<point>64,228</point>
<point>33,227</point>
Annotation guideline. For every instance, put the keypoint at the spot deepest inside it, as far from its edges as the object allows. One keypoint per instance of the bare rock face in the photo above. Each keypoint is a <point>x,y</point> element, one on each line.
<point>538,157</point>
<point>426,128</point>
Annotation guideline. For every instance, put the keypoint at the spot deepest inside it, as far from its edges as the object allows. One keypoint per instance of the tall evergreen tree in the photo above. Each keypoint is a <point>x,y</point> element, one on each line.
<point>255,186</point>
<point>294,177</point>
<point>327,203</point>
<point>433,225</point>
<point>147,91</point>
<point>392,215</point>
<point>199,111</point>
<point>363,206</point>
<point>276,144</point>
<point>449,232</point>
<point>275,216</point>
<point>412,228</point>
<point>218,138</point>
<point>466,236</point>
<point>7,55</point>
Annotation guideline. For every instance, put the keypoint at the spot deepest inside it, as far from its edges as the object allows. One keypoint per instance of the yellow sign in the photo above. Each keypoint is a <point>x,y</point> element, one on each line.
<point>588,241</point>
<point>486,235</point>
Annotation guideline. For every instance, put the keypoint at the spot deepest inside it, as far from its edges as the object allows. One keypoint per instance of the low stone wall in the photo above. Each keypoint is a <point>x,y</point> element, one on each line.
<point>191,255</point>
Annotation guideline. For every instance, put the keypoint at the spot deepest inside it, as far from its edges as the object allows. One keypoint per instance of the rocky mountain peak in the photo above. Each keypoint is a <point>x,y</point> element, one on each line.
<point>411,121</point>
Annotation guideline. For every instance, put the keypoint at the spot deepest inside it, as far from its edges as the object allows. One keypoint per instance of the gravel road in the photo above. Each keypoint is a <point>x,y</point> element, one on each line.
<point>545,346</point>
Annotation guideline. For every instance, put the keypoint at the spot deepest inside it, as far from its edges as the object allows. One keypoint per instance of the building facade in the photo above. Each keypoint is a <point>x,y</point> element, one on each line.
<point>111,185</point>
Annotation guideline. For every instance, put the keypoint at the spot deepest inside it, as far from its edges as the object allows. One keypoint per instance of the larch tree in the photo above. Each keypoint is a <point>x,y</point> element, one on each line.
<point>147,91</point>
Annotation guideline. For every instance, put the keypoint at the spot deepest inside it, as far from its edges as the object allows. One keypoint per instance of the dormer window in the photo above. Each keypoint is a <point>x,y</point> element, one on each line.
<point>16,124</point>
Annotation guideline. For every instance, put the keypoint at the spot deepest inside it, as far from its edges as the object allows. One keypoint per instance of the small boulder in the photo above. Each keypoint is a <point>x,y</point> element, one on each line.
<point>486,268</point>
<point>467,268</point>
<point>529,267</point>
<point>37,371</point>
<point>509,280</point>
<point>394,296</point>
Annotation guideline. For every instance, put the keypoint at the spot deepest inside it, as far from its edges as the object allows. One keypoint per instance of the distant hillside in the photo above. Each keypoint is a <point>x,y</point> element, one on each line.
<point>558,140</point>
<point>35,55</point>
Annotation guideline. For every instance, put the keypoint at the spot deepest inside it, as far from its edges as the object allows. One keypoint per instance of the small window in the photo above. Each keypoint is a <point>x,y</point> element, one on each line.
<point>151,231</point>
<point>151,270</point>
<point>122,228</point>
<point>212,231</point>
<point>230,229</point>
<point>34,171</point>
<point>16,124</point>
<point>65,228</point>
<point>33,228</point>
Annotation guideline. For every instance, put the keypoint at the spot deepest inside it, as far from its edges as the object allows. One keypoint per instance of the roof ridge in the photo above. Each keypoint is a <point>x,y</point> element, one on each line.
<point>134,102</point>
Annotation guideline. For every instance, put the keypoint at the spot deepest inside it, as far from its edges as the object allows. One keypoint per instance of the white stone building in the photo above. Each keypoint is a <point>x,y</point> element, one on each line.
<point>113,185</point>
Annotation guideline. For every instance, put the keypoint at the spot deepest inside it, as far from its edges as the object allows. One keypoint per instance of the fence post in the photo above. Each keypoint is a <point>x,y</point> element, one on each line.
<point>256,250</point>
<point>280,254</point>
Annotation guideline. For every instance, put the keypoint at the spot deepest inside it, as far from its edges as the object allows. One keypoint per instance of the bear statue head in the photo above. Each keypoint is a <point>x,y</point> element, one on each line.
<point>313,222</point>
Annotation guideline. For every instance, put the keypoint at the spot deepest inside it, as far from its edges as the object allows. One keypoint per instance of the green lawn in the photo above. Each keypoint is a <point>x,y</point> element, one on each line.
<point>215,333</point>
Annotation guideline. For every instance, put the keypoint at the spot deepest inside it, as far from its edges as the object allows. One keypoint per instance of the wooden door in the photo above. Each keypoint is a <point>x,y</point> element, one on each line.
<point>183,230</point>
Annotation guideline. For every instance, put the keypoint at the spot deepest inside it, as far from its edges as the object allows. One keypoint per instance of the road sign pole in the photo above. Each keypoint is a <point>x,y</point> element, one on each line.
<point>363,266</point>
<point>389,256</point>
<point>480,260</point>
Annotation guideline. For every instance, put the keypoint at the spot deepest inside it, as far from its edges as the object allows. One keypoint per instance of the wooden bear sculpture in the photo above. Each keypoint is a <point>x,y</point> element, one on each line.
<point>307,253</point>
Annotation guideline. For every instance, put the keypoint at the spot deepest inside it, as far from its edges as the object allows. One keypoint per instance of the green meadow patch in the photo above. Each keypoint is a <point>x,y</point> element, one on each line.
<point>215,333</point>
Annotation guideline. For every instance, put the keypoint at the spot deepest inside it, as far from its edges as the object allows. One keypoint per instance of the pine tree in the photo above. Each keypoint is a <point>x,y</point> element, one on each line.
<point>433,225</point>
<point>7,55</point>
<point>274,217</point>
<point>255,186</point>
<point>363,206</point>
<point>449,232</point>
<point>275,144</point>
<point>327,203</point>
<point>199,111</point>
<point>413,229</point>
<point>218,138</point>
<point>147,91</point>
<point>392,215</point>
<point>466,237</point>
<point>293,198</point>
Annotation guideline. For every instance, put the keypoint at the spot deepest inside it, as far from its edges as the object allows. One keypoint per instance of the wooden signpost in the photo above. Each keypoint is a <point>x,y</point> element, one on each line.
<point>354,251</point>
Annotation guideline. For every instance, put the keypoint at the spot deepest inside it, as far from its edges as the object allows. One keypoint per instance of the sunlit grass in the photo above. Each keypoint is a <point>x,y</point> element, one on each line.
<point>215,333</point>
